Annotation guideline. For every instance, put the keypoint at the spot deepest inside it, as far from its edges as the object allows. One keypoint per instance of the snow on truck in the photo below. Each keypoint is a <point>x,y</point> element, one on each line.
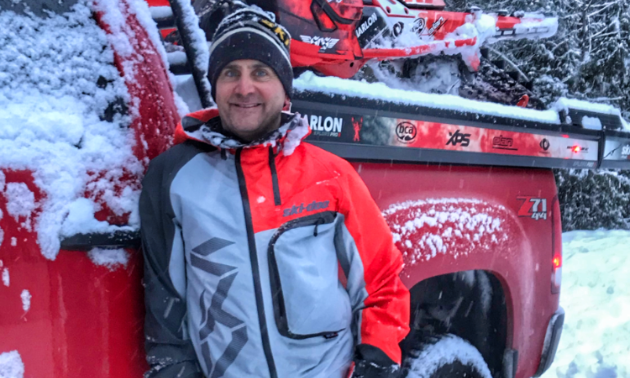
<point>87,101</point>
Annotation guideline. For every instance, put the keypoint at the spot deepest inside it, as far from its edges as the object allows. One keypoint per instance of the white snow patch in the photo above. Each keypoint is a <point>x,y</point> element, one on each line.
<point>26,300</point>
<point>564,103</point>
<point>446,351</point>
<point>20,202</point>
<point>13,241</point>
<point>6,280</point>
<point>294,137</point>
<point>591,123</point>
<point>261,199</point>
<point>425,228</point>
<point>378,91</point>
<point>81,219</point>
<point>595,294</point>
<point>51,108</point>
<point>109,258</point>
<point>161,12</point>
<point>11,365</point>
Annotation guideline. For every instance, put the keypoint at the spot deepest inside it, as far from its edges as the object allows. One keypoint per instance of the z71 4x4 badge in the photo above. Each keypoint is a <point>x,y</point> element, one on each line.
<point>535,208</point>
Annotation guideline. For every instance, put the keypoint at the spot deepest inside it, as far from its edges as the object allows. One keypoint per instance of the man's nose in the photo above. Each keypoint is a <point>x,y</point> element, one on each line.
<point>244,86</point>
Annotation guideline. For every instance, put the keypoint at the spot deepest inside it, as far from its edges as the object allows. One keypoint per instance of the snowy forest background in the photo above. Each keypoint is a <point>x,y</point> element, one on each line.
<point>587,59</point>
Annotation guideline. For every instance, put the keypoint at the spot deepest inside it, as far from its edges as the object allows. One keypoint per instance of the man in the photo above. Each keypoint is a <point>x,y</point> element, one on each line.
<point>264,256</point>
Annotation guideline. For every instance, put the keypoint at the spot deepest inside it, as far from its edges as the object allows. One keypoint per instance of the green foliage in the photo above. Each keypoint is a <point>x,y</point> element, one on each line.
<point>590,200</point>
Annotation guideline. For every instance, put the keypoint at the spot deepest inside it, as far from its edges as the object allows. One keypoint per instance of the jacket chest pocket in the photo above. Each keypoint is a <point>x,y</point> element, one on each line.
<point>308,299</point>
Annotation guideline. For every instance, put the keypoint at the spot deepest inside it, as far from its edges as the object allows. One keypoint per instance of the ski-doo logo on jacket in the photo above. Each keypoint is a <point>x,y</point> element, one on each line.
<point>326,126</point>
<point>294,210</point>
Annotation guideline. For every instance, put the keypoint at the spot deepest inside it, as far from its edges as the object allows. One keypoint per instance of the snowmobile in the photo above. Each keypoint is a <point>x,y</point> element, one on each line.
<point>408,44</point>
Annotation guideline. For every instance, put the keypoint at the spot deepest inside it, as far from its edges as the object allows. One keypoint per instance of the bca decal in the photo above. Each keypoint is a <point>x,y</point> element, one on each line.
<point>532,207</point>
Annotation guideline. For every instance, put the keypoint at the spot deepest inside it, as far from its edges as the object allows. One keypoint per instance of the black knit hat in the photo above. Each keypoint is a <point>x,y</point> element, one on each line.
<point>249,33</point>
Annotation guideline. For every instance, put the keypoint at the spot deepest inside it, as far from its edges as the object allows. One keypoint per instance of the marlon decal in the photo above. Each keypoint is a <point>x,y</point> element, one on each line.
<point>366,25</point>
<point>326,126</point>
<point>298,209</point>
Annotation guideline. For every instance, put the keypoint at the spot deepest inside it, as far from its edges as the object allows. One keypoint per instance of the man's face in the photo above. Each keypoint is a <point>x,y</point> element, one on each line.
<point>250,98</point>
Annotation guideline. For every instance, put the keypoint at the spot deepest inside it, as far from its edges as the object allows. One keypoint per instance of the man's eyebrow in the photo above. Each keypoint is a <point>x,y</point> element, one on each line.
<point>259,65</point>
<point>232,67</point>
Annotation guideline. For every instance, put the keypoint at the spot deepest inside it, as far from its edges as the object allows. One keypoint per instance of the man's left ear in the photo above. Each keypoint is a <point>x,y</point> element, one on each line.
<point>287,104</point>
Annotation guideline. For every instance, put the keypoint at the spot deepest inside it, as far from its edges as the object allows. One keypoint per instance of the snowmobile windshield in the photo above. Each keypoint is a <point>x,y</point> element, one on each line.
<point>341,13</point>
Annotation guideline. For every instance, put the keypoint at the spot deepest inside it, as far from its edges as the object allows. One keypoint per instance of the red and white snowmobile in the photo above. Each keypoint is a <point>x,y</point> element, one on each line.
<point>410,37</point>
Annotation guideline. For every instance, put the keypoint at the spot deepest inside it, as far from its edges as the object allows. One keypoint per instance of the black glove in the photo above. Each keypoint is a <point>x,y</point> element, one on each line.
<point>371,362</point>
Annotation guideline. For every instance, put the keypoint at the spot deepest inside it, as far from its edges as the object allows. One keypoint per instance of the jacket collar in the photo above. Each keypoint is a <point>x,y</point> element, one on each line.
<point>205,126</point>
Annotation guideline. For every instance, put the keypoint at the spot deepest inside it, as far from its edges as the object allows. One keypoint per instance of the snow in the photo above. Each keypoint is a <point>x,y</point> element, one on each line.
<point>564,103</point>
<point>447,350</point>
<point>295,136</point>
<point>198,38</point>
<point>11,365</point>
<point>531,22</point>
<point>26,300</point>
<point>161,12</point>
<point>80,219</point>
<point>20,202</point>
<point>379,91</point>
<point>595,294</point>
<point>109,258</point>
<point>5,277</point>
<point>591,123</point>
<point>51,110</point>
<point>456,226</point>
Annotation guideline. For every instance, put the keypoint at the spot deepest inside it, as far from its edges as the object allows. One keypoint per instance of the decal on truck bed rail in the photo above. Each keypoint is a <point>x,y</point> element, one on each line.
<point>532,207</point>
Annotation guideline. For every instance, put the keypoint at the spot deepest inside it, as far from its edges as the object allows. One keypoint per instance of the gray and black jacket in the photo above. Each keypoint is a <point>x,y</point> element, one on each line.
<point>265,260</point>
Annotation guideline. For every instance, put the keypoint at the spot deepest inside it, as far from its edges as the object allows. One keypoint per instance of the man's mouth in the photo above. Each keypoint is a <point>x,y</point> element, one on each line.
<point>247,106</point>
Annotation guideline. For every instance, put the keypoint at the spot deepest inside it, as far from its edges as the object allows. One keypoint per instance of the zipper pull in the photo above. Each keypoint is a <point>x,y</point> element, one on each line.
<point>317,223</point>
<point>223,154</point>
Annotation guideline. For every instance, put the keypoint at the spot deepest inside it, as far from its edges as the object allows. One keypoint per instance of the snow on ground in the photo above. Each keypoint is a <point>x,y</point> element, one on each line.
<point>11,365</point>
<point>595,294</point>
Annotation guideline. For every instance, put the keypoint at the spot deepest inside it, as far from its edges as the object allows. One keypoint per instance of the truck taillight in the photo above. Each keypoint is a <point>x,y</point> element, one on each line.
<point>556,237</point>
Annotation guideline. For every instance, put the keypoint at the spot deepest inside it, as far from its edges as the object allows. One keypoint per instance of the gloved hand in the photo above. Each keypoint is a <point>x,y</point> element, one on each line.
<point>371,362</point>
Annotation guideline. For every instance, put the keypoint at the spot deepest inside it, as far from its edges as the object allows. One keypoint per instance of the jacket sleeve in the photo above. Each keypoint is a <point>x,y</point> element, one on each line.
<point>169,350</point>
<point>371,263</point>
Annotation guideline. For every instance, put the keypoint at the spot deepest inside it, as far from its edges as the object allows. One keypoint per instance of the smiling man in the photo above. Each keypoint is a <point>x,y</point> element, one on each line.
<point>264,256</point>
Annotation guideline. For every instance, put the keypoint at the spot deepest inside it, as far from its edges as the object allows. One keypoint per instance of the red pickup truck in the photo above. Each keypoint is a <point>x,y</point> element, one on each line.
<point>470,198</point>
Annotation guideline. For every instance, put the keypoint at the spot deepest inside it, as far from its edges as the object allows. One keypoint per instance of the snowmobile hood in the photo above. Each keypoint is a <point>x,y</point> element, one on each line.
<point>205,126</point>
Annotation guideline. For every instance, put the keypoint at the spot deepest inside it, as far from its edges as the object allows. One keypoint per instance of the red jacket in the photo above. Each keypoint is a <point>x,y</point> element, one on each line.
<point>274,249</point>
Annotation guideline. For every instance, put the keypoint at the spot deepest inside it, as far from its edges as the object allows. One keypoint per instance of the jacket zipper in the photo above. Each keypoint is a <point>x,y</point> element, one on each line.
<point>274,177</point>
<point>251,241</point>
<point>279,308</point>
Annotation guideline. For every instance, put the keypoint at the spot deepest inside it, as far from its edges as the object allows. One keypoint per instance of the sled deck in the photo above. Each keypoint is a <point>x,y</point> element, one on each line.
<point>382,129</point>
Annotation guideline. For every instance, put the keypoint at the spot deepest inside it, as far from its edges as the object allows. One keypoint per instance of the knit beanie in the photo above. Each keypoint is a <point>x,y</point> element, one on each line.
<point>250,33</point>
